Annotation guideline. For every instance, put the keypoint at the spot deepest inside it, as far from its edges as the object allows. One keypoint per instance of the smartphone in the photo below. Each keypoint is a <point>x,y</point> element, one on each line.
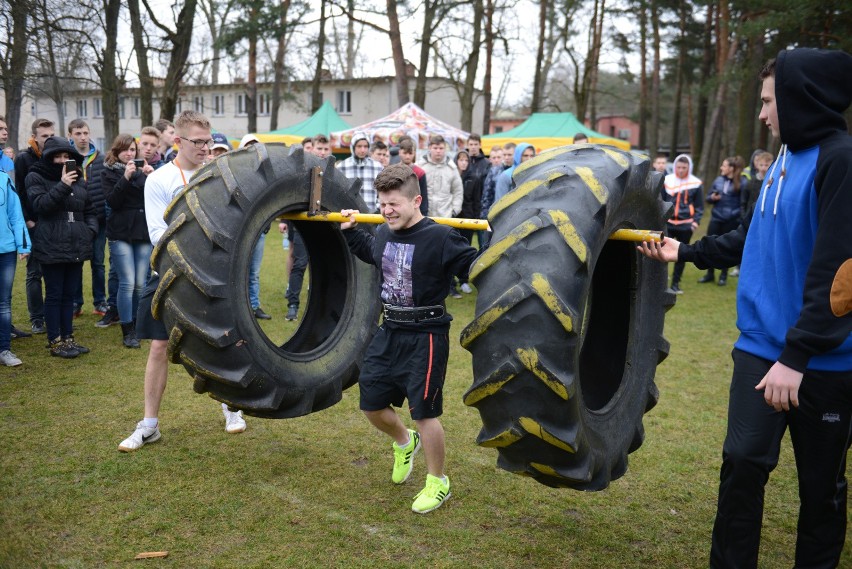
<point>70,165</point>
<point>139,162</point>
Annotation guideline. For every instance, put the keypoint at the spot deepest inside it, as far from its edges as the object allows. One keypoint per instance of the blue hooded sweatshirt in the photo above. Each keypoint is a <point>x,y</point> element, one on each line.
<point>14,236</point>
<point>504,180</point>
<point>794,298</point>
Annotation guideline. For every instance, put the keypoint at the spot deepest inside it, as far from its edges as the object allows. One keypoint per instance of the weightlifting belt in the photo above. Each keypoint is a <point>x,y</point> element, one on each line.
<point>412,314</point>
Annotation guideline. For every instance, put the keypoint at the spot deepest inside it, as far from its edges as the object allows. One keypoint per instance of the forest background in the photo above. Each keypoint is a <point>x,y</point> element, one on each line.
<point>685,71</point>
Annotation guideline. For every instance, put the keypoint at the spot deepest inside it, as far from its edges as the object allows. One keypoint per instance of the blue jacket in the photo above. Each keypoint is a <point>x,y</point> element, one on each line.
<point>504,180</point>
<point>13,231</point>
<point>728,207</point>
<point>794,297</point>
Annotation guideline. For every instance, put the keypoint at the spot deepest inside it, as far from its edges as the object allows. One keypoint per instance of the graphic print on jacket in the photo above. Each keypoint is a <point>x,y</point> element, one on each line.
<point>397,288</point>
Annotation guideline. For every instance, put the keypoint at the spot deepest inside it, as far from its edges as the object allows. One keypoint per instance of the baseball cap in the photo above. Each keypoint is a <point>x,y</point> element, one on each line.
<point>221,141</point>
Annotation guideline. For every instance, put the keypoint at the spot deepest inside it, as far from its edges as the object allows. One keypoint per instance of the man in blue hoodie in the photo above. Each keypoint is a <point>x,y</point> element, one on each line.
<point>523,152</point>
<point>793,359</point>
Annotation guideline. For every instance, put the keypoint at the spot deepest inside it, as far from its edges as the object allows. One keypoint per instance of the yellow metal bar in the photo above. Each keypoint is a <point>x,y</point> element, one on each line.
<point>636,235</point>
<point>459,223</point>
<point>375,218</point>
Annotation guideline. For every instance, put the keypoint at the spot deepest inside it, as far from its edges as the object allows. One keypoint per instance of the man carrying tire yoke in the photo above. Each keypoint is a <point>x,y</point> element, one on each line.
<point>194,141</point>
<point>407,357</point>
<point>794,306</point>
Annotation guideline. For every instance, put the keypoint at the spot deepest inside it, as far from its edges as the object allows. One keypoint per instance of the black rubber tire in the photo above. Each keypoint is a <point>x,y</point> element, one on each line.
<point>203,260</point>
<point>568,328</point>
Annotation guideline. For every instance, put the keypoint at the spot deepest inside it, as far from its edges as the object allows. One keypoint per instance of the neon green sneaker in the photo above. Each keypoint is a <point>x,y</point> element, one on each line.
<point>403,458</point>
<point>432,496</point>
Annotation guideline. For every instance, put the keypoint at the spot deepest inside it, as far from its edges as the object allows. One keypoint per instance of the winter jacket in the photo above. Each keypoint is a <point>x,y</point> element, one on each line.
<point>728,207</point>
<point>488,188</point>
<point>504,180</point>
<point>685,194</point>
<point>67,222</point>
<point>93,163</point>
<point>472,194</point>
<point>13,231</point>
<point>23,162</point>
<point>126,199</point>
<point>444,187</point>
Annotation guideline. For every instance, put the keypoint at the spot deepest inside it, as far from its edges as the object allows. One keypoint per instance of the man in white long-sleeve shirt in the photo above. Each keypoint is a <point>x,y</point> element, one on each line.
<point>194,141</point>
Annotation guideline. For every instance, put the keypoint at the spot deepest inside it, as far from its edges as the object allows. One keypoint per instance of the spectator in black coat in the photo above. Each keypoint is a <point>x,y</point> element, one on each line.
<point>62,238</point>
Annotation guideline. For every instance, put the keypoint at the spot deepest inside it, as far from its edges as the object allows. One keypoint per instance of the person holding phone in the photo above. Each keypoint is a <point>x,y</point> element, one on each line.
<point>123,180</point>
<point>62,238</point>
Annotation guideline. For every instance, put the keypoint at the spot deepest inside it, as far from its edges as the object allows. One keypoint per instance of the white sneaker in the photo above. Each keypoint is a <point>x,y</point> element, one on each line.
<point>142,435</point>
<point>234,422</point>
<point>7,358</point>
<point>466,288</point>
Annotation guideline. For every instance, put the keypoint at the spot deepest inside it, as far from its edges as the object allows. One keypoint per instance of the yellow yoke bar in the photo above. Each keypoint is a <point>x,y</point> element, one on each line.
<point>459,223</point>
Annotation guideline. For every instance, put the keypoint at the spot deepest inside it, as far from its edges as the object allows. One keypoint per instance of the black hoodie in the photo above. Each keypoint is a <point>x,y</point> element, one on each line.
<point>794,299</point>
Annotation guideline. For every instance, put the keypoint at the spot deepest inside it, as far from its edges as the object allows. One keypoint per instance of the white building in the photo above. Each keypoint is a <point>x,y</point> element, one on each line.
<point>356,100</point>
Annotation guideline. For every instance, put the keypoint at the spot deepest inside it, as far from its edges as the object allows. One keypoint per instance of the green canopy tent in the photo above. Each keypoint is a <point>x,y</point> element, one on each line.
<point>549,130</point>
<point>324,121</point>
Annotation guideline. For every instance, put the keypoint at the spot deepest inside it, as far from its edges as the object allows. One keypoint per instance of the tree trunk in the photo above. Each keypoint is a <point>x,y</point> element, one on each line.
<point>747,97</point>
<point>13,65</point>
<point>538,81</point>
<point>643,75</point>
<point>712,147</point>
<point>681,61</point>
<point>703,99</point>
<point>278,66</point>
<point>654,138</point>
<point>429,11</point>
<point>398,55</point>
<point>109,79</point>
<point>53,79</point>
<point>316,96</point>
<point>486,83</point>
<point>593,78</point>
<point>350,42</point>
<point>251,83</point>
<point>471,68</point>
<point>146,84</point>
<point>181,41</point>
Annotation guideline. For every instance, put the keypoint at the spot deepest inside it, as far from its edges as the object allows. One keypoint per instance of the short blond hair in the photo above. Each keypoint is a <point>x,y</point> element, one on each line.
<point>188,119</point>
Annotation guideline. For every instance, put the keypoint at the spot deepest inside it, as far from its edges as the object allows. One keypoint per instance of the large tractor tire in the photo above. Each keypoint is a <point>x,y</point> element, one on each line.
<point>204,258</point>
<point>568,328</point>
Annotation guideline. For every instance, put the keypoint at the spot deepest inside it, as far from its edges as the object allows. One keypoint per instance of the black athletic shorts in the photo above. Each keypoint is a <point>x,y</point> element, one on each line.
<point>148,327</point>
<point>401,364</point>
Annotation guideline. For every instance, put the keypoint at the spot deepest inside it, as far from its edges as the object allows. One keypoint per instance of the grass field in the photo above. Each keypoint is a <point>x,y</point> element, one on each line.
<point>315,491</point>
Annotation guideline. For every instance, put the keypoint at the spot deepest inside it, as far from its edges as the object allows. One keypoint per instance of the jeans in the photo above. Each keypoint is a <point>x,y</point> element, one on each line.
<point>820,430</point>
<point>131,260</point>
<point>8,264</point>
<point>297,273</point>
<point>60,285</point>
<point>98,273</point>
<point>35,297</point>
<point>254,272</point>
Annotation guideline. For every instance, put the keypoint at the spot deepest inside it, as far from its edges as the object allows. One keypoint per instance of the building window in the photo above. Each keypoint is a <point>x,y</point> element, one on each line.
<point>121,107</point>
<point>218,105</point>
<point>134,106</point>
<point>311,99</point>
<point>179,106</point>
<point>198,103</point>
<point>241,105</point>
<point>624,134</point>
<point>97,107</point>
<point>100,143</point>
<point>263,104</point>
<point>64,108</point>
<point>82,108</point>
<point>344,102</point>
<point>498,128</point>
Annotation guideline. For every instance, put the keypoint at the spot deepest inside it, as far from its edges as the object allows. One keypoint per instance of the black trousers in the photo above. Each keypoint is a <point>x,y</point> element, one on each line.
<point>682,233</point>
<point>820,430</point>
<point>720,227</point>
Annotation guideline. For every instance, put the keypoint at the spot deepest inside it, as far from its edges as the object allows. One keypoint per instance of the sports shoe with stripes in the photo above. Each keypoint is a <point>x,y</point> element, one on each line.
<point>141,436</point>
<point>403,458</point>
<point>432,496</point>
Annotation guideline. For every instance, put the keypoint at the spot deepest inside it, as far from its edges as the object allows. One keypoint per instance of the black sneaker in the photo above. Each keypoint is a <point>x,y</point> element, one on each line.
<point>723,280</point>
<point>16,333</point>
<point>676,289</point>
<point>707,278</point>
<point>72,343</point>
<point>261,315</point>
<point>61,349</point>
<point>38,327</point>
<point>110,317</point>
<point>292,312</point>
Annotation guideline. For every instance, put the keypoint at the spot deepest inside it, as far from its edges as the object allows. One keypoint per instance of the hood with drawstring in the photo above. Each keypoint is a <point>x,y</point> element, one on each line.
<point>794,298</point>
<point>504,180</point>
